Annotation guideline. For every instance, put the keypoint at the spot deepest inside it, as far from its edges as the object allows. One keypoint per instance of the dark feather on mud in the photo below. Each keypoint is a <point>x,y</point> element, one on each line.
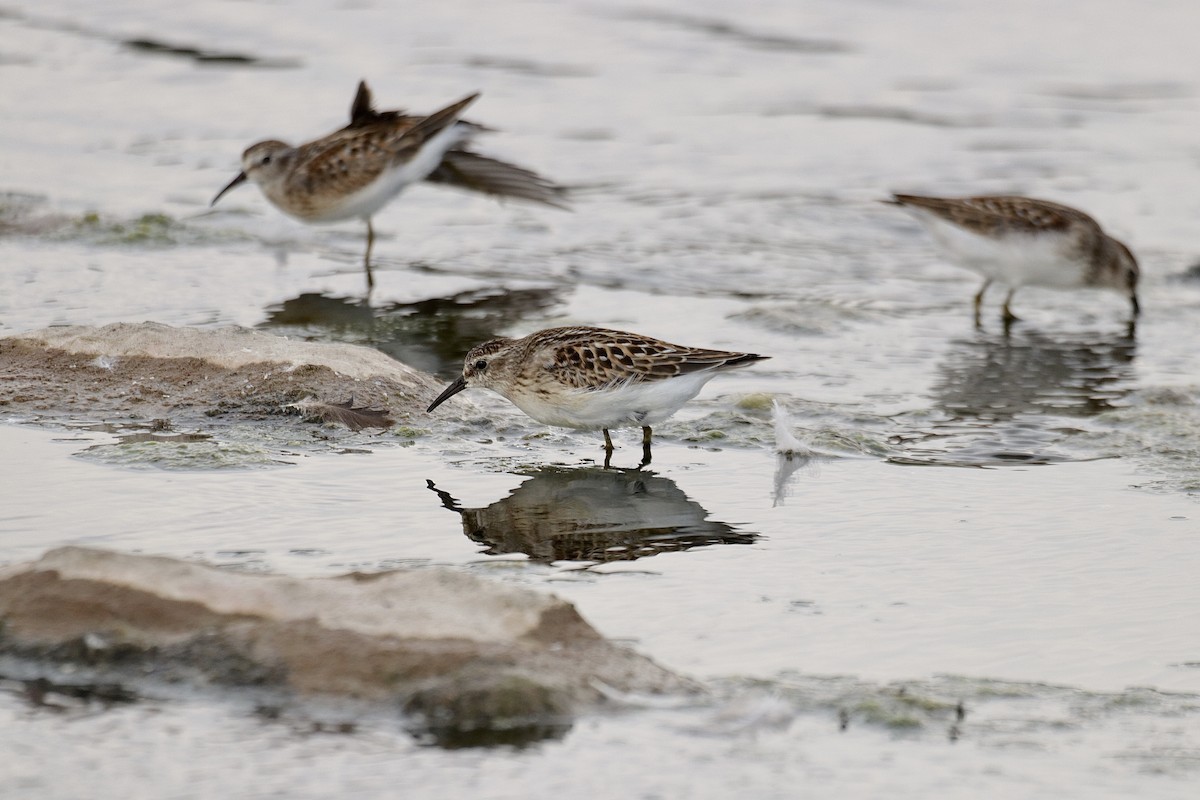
<point>346,414</point>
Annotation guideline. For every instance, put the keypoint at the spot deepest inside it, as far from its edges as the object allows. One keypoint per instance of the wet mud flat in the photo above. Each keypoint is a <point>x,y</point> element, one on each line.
<point>205,663</point>
<point>1008,619</point>
<point>125,645</point>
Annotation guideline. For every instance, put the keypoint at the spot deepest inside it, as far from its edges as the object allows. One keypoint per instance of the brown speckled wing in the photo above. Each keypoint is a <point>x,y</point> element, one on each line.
<point>343,162</point>
<point>1000,213</point>
<point>595,358</point>
<point>351,158</point>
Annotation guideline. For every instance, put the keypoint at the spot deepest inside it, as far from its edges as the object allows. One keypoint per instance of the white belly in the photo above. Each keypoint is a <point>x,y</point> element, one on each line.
<point>621,407</point>
<point>364,203</point>
<point>1044,259</point>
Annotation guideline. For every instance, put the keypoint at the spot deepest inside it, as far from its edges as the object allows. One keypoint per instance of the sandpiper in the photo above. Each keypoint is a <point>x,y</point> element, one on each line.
<point>1019,241</point>
<point>593,378</point>
<point>356,171</point>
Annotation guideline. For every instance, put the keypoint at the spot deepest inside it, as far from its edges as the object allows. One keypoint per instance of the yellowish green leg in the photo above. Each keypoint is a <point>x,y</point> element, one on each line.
<point>1009,316</point>
<point>367,257</point>
<point>979,299</point>
<point>647,434</point>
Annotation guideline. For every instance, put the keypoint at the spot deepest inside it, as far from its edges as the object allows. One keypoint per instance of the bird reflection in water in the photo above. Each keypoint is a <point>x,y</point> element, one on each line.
<point>1012,398</point>
<point>432,334</point>
<point>786,467</point>
<point>592,514</point>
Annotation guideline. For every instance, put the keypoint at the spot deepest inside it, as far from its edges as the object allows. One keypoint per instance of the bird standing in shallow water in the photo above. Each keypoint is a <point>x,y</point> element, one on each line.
<point>593,378</point>
<point>1019,241</point>
<point>356,171</point>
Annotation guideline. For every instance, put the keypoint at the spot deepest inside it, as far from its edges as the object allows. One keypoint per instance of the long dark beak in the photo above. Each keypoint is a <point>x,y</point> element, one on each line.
<point>459,384</point>
<point>241,178</point>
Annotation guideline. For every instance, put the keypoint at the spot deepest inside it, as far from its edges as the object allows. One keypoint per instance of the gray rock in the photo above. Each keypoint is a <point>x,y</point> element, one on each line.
<point>149,370</point>
<point>447,648</point>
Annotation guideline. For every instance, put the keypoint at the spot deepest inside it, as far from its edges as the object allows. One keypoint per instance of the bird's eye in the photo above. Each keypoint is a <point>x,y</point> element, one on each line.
<point>266,159</point>
<point>480,365</point>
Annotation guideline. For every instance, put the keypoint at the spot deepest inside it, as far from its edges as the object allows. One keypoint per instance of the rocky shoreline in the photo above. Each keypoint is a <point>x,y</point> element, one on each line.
<point>443,648</point>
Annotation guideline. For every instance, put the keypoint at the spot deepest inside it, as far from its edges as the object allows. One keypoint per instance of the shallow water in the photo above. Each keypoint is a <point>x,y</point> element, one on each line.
<point>726,171</point>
